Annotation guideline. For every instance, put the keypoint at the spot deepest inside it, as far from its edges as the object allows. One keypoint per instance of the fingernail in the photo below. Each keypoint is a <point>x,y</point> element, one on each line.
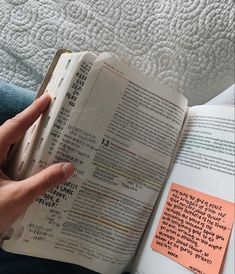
<point>68,169</point>
<point>43,97</point>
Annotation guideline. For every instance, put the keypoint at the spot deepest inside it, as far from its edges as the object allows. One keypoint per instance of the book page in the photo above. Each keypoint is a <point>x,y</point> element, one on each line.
<point>120,137</point>
<point>205,164</point>
<point>227,97</point>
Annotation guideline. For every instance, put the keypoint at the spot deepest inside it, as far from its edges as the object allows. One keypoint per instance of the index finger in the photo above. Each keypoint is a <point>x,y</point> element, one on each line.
<point>14,128</point>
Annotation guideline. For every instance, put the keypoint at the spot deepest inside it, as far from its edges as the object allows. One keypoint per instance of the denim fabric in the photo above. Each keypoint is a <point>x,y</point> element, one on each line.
<point>19,264</point>
<point>14,99</point>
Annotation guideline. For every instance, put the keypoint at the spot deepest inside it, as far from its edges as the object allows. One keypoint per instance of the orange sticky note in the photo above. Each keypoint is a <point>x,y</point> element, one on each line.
<point>194,229</point>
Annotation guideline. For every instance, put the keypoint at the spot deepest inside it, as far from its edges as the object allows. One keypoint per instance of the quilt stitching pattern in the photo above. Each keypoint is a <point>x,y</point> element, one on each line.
<point>187,44</point>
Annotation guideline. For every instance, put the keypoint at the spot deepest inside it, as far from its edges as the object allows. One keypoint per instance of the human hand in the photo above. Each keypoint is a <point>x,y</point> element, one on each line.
<point>16,196</point>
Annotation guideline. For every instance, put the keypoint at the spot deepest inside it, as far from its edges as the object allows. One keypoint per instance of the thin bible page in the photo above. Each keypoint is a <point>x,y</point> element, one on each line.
<point>97,217</point>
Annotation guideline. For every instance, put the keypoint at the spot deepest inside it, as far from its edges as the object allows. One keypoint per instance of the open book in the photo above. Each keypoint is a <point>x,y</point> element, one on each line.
<point>153,187</point>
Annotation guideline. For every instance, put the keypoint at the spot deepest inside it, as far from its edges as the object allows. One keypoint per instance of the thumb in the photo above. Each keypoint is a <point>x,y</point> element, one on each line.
<point>48,178</point>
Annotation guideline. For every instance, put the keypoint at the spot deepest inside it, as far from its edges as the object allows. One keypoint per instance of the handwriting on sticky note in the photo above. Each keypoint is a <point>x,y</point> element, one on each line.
<point>194,229</point>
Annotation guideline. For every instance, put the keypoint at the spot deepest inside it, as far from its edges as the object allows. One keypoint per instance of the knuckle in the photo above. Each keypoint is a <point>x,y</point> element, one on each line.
<point>48,177</point>
<point>52,176</point>
<point>17,121</point>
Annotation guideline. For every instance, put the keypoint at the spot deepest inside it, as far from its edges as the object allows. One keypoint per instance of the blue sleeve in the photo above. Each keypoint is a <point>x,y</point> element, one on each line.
<point>13,99</point>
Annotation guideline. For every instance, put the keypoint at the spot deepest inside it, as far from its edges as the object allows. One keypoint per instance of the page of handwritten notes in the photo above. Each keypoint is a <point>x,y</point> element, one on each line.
<point>194,229</point>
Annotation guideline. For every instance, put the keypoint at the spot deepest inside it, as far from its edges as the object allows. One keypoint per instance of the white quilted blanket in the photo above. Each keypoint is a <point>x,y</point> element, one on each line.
<point>187,44</point>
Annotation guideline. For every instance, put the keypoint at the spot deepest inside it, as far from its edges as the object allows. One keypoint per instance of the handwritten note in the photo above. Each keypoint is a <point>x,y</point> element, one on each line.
<point>194,229</point>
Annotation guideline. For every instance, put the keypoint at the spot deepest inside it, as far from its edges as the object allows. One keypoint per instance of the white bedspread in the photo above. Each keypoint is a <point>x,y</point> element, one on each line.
<point>187,44</point>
